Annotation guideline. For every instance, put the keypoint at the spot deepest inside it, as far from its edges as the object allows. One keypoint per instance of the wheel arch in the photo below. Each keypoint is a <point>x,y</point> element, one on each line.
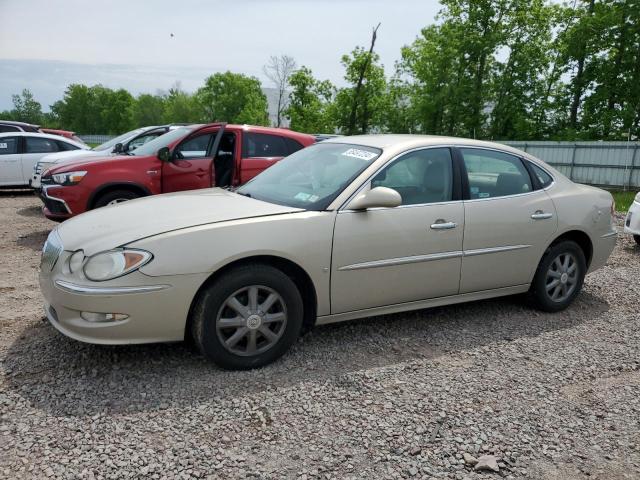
<point>581,238</point>
<point>113,186</point>
<point>294,271</point>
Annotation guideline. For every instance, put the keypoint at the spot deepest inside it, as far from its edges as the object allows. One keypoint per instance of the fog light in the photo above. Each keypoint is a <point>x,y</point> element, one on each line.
<point>103,317</point>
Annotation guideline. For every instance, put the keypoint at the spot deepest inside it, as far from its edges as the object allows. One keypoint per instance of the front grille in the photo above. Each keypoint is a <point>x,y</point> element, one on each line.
<point>50,252</point>
<point>46,181</point>
<point>56,207</point>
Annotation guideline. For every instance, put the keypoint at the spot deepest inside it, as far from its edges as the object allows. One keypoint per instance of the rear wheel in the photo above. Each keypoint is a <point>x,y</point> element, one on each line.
<point>248,317</point>
<point>559,277</point>
<point>115,197</point>
<point>637,239</point>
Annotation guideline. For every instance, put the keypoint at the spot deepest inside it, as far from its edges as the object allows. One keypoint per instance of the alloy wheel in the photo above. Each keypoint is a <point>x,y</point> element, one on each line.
<point>562,277</point>
<point>251,320</point>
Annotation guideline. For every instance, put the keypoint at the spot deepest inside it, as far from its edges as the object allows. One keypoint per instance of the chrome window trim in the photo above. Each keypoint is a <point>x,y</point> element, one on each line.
<point>391,262</point>
<point>84,290</point>
<point>342,208</point>
<point>46,194</point>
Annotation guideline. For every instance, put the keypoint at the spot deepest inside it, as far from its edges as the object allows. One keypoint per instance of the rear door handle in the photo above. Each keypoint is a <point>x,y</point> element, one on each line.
<point>540,215</point>
<point>442,225</point>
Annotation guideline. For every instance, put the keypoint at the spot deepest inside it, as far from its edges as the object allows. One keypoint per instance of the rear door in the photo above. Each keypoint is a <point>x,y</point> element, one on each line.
<point>10,165</point>
<point>191,167</point>
<point>508,223</point>
<point>259,152</point>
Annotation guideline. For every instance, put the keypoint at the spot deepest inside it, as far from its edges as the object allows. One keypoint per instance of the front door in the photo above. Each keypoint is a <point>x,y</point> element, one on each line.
<point>385,256</point>
<point>508,224</point>
<point>10,161</point>
<point>191,166</point>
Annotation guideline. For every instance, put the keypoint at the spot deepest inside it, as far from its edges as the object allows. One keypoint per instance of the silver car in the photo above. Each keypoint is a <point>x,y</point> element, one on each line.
<point>348,228</point>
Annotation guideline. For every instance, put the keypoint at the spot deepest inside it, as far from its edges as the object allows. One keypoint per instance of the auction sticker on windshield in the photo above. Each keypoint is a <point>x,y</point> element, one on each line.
<point>361,154</point>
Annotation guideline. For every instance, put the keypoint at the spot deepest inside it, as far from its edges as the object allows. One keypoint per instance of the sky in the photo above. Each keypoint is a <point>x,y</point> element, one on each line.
<point>128,44</point>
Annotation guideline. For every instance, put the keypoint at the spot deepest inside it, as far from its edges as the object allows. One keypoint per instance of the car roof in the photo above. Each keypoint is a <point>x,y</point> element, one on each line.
<point>408,141</point>
<point>18,124</point>
<point>41,135</point>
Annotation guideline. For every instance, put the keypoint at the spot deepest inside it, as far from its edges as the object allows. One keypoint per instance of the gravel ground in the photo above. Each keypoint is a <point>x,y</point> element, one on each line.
<point>398,396</point>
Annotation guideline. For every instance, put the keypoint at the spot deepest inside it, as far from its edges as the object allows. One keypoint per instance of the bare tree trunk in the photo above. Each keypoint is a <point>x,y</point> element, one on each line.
<point>351,127</point>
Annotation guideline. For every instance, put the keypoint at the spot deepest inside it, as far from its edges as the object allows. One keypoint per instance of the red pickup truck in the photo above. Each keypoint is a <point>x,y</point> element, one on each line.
<point>182,159</point>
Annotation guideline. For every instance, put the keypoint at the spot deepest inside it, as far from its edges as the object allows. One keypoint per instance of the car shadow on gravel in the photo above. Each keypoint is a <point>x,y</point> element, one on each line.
<point>33,240</point>
<point>15,192</point>
<point>34,211</point>
<point>65,377</point>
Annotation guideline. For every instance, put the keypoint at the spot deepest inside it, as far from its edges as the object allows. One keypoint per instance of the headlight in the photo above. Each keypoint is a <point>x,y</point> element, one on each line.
<point>68,178</point>
<point>75,261</point>
<point>114,263</point>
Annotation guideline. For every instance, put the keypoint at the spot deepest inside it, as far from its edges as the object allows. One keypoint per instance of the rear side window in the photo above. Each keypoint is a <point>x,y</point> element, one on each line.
<point>494,174</point>
<point>263,145</point>
<point>40,145</point>
<point>64,146</point>
<point>293,145</point>
<point>543,177</point>
<point>8,145</point>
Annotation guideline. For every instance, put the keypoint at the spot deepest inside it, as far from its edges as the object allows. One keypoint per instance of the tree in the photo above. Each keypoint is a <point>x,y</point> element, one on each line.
<point>234,98</point>
<point>148,110</point>
<point>279,70</point>
<point>181,107</point>
<point>26,108</point>
<point>310,103</point>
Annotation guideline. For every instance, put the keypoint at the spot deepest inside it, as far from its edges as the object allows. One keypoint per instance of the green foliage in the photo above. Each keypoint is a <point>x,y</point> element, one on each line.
<point>181,107</point>
<point>359,110</point>
<point>310,103</point>
<point>234,98</point>
<point>148,109</point>
<point>25,108</point>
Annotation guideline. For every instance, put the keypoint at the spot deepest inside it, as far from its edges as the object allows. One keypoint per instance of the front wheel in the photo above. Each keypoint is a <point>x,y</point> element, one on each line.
<point>559,277</point>
<point>115,197</point>
<point>248,317</point>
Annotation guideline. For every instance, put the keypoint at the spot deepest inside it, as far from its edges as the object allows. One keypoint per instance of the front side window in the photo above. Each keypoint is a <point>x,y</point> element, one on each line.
<point>109,144</point>
<point>64,146</point>
<point>195,147</point>
<point>8,145</point>
<point>40,145</point>
<point>152,147</point>
<point>8,128</point>
<point>423,176</point>
<point>263,145</point>
<point>312,177</point>
<point>494,174</point>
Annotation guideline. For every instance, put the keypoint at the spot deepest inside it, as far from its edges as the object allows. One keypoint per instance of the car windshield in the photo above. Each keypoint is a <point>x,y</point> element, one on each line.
<point>119,139</point>
<point>312,177</point>
<point>152,147</point>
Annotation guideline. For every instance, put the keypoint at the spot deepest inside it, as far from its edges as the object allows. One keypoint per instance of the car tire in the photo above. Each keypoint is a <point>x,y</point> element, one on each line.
<point>116,196</point>
<point>230,328</point>
<point>559,277</point>
<point>637,239</point>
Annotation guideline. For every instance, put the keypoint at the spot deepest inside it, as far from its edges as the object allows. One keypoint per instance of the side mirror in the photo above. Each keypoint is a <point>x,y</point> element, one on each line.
<point>164,155</point>
<point>118,148</point>
<point>376,197</point>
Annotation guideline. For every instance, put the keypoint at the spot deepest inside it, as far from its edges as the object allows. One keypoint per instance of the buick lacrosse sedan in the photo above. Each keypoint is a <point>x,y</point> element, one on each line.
<point>348,228</point>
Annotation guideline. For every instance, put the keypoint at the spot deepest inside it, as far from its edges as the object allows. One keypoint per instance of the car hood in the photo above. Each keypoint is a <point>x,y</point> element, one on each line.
<point>71,154</point>
<point>81,162</point>
<point>110,227</point>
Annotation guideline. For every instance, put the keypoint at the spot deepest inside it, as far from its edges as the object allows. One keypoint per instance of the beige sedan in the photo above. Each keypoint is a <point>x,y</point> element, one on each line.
<point>348,228</point>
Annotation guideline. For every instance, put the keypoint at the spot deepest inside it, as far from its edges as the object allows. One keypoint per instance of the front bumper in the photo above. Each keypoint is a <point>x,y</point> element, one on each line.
<point>156,307</point>
<point>632,222</point>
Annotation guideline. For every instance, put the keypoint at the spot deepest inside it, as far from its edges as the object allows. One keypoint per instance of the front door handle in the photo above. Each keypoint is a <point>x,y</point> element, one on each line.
<point>540,215</point>
<point>442,225</point>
